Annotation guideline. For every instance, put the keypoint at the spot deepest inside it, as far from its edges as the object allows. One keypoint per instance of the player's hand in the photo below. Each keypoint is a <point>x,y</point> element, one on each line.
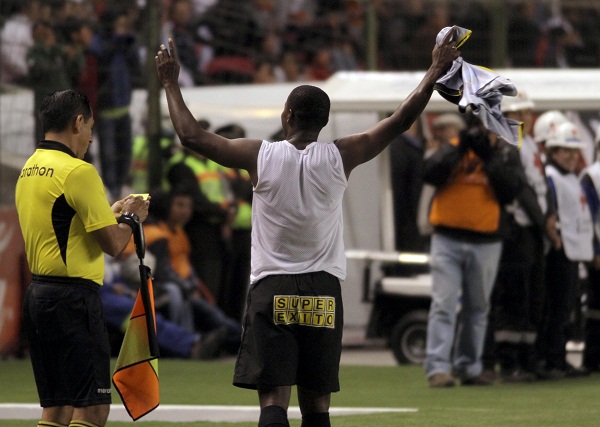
<point>445,53</point>
<point>167,65</point>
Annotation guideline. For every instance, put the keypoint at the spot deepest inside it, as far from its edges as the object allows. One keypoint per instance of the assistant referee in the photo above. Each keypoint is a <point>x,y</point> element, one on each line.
<point>68,225</point>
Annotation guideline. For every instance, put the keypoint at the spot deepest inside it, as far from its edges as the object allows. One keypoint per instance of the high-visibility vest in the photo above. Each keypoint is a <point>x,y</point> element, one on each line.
<point>243,216</point>
<point>139,162</point>
<point>210,178</point>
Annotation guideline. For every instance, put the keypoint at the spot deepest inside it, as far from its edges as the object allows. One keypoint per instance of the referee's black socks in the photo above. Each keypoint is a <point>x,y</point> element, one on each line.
<point>273,416</point>
<point>316,419</point>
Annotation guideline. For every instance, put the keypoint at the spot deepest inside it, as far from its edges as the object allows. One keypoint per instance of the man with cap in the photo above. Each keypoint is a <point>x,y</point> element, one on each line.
<point>516,302</point>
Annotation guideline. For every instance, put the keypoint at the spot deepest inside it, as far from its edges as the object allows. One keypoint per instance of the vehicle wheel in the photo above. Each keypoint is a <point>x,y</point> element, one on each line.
<point>409,337</point>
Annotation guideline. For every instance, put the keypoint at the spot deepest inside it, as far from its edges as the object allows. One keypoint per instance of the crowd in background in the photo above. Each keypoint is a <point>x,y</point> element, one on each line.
<point>98,47</point>
<point>227,41</point>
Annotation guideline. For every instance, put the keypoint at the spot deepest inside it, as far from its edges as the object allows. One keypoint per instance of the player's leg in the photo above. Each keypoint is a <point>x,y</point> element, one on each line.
<point>320,348</point>
<point>274,402</point>
<point>314,406</point>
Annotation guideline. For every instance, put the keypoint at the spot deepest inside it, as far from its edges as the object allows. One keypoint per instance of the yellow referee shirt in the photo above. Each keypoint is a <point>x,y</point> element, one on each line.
<point>60,199</point>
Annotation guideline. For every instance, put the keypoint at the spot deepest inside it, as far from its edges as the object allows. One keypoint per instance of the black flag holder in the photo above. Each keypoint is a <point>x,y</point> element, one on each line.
<point>139,239</point>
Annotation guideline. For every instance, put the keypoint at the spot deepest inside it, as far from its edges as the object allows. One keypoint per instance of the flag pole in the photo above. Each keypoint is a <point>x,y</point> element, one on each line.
<point>145,275</point>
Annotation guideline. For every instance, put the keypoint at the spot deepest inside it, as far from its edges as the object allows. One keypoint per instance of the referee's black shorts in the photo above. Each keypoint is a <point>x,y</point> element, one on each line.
<point>70,351</point>
<point>292,333</point>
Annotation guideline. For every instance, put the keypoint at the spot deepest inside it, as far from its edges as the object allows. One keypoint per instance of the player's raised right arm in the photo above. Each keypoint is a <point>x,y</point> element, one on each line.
<point>238,153</point>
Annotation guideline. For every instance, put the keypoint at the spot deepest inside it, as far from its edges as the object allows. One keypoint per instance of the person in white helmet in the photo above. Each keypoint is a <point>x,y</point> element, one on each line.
<point>590,180</point>
<point>574,245</point>
<point>516,310</point>
<point>544,125</point>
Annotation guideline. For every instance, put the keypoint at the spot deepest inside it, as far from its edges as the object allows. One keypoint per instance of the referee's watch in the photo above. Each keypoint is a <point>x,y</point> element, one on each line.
<point>130,219</point>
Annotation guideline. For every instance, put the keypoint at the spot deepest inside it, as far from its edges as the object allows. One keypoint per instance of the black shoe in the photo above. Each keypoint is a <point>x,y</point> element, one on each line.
<point>479,380</point>
<point>517,376</point>
<point>572,371</point>
<point>212,343</point>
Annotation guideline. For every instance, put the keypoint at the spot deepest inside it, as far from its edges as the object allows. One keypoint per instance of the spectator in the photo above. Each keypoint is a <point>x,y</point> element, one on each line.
<point>174,341</point>
<point>520,289</point>
<point>475,15</point>
<point>209,229</point>
<point>478,171</point>
<point>119,68</point>
<point>437,17</point>
<point>574,244</point>
<point>406,160</point>
<point>237,275</point>
<point>264,73</point>
<point>289,69</point>
<point>48,65</point>
<point>16,38</point>
<point>524,34</point>
<point>591,185</point>
<point>171,246</point>
<point>444,128</point>
<point>140,157</point>
<point>397,23</point>
<point>231,28</point>
<point>179,27</point>
<point>586,24</point>
<point>81,37</point>
<point>557,36</point>
<point>319,64</point>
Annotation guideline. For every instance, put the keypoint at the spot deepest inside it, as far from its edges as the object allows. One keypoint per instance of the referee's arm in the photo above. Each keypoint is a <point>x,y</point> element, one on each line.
<point>112,239</point>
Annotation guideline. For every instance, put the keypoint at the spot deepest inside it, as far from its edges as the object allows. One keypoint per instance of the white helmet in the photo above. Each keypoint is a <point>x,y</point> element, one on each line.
<point>565,135</point>
<point>546,123</point>
<point>519,102</point>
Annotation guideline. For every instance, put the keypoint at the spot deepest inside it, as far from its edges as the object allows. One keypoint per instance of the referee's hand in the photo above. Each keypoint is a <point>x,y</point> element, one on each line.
<point>136,205</point>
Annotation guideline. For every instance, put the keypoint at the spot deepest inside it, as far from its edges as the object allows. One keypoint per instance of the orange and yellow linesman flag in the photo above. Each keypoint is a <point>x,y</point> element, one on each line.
<point>136,371</point>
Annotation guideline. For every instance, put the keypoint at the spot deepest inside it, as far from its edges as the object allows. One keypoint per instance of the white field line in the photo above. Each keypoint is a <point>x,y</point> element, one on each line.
<point>188,413</point>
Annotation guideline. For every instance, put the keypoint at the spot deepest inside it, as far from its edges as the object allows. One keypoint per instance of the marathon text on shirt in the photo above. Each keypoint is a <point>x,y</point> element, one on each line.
<point>35,170</point>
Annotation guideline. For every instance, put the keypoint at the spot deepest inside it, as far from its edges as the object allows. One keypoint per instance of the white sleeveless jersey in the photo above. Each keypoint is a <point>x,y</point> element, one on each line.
<point>534,172</point>
<point>297,223</point>
<point>574,214</point>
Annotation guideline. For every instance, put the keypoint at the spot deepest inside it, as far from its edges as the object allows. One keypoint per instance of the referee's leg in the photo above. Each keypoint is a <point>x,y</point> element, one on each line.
<point>95,415</point>
<point>91,416</point>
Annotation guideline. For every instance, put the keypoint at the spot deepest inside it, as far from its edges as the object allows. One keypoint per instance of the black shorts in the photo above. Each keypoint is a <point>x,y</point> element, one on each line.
<point>292,333</point>
<point>70,352</point>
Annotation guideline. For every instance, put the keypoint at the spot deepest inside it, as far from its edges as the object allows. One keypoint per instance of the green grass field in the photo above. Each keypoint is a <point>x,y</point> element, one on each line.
<point>569,402</point>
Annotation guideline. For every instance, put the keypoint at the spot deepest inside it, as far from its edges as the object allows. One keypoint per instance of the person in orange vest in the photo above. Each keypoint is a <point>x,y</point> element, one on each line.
<point>474,175</point>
